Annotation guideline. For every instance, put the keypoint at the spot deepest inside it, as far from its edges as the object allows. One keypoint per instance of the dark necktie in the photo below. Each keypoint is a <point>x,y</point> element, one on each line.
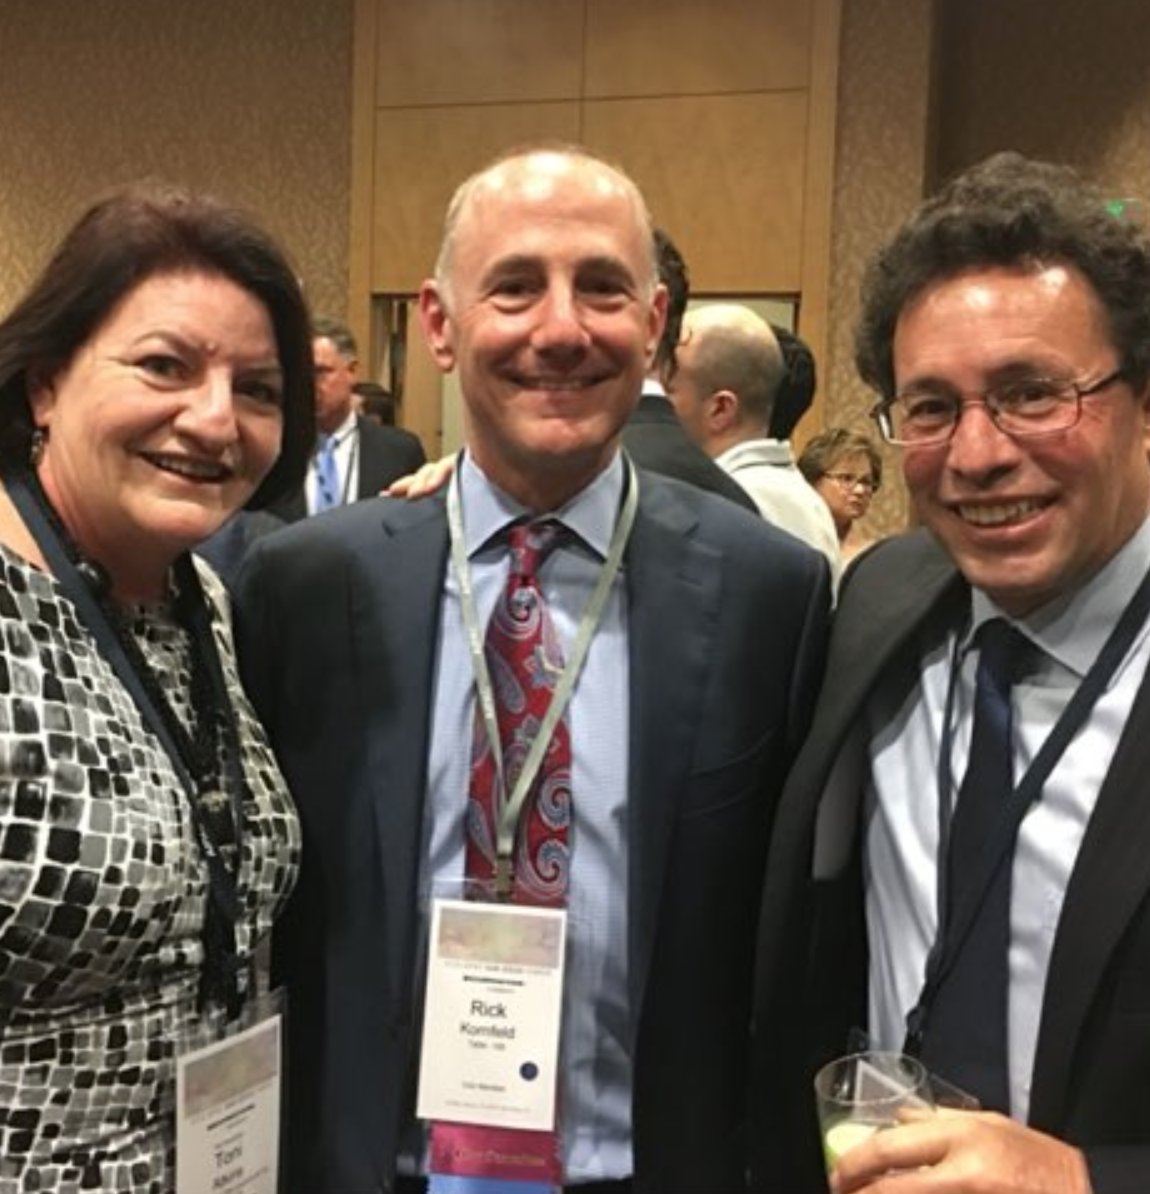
<point>965,1037</point>
<point>525,661</point>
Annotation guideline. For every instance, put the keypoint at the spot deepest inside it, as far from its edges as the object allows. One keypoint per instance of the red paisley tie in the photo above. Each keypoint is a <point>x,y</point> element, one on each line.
<point>525,661</point>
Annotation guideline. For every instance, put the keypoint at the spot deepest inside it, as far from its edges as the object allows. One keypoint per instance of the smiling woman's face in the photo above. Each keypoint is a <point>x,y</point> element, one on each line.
<point>162,425</point>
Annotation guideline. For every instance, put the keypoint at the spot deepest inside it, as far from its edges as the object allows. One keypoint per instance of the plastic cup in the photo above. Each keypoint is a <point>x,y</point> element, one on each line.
<point>864,1093</point>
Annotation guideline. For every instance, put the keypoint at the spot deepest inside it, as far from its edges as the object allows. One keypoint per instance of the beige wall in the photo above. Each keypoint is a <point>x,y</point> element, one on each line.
<point>248,98</point>
<point>1064,79</point>
<point>884,142</point>
<point>723,113</point>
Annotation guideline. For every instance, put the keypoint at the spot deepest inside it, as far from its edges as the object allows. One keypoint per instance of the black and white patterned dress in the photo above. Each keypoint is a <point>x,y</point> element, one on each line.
<point>102,893</point>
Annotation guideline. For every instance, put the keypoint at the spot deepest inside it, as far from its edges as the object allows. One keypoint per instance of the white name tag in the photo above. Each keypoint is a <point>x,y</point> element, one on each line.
<point>228,1113</point>
<point>492,1014</point>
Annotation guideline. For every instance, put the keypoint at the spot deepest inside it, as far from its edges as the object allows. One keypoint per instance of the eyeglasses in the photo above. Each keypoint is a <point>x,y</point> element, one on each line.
<point>849,481</point>
<point>1022,407</point>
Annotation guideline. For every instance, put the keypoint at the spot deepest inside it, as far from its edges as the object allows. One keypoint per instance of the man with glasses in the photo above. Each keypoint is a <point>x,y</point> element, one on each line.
<point>960,859</point>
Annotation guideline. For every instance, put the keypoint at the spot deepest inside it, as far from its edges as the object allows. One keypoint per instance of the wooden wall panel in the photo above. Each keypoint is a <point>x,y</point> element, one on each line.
<point>724,111</point>
<point>680,47</point>
<point>819,182</point>
<point>421,156</point>
<point>363,198</point>
<point>724,176</point>
<point>478,51</point>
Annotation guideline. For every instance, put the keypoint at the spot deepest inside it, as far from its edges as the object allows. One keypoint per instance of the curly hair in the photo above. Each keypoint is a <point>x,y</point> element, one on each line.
<point>1012,212</point>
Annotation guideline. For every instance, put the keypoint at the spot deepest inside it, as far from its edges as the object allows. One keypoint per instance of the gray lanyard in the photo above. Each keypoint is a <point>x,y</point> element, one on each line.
<point>508,808</point>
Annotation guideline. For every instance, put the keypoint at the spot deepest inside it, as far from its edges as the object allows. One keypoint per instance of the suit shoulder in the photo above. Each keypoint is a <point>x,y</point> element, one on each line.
<point>398,437</point>
<point>347,530</point>
<point>892,560</point>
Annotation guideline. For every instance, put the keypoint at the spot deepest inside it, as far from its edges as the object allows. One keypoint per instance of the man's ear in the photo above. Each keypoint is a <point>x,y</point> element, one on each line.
<point>722,411</point>
<point>438,329</point>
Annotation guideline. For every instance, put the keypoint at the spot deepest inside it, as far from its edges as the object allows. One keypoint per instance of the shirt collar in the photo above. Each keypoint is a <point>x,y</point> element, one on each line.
<point>775,452</point>
<point>343,430</point>
<point>1073,627</point>
<point>591,513</point>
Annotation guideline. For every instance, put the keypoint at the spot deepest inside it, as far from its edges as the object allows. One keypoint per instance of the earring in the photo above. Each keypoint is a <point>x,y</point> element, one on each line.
<point>36,446</point>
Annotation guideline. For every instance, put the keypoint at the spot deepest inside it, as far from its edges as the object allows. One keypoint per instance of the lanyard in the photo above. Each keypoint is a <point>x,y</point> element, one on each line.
<point>223,977</point>
<point>955,923</point>
<point>508,808</point>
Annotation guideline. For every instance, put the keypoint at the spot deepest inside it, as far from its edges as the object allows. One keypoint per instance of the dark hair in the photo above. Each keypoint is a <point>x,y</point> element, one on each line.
<point>823,451</point>
<point>1013,212</point>
<point>121,241</point>
<point>326,328</point>
<point>376,402</point>
<point>796,392</point>
<point>674,275</point>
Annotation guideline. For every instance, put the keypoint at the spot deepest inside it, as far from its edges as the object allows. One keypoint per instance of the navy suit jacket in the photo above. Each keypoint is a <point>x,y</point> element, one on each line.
<point>1092,1062</point>
<point>385,455</point>
<point>338,619</point>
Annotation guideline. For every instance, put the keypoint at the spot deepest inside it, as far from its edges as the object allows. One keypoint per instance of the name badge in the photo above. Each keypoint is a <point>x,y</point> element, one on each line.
<point>228,1113</point>
<point>492,1014</point>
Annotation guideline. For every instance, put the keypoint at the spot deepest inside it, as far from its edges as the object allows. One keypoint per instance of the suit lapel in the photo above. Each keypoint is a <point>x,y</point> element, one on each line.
<point>1109,882</point>
<point>876,623</point>
<point>672,599</point>
<point>396,598</point>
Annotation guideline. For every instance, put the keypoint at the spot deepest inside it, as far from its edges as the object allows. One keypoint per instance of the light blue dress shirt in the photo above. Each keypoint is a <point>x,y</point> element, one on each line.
<point>346,437</point>
<point>902,813</point>
<point>595,1090</point>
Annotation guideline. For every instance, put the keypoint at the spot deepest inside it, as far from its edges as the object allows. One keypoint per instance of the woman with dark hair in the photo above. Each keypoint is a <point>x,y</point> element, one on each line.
<point>845,469</point>
<point>156,378</point>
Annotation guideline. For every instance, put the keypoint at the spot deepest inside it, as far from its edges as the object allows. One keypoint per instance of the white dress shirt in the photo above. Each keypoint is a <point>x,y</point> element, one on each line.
<point>905,733</point>
<point>346,463</point>
<point>766,469</point>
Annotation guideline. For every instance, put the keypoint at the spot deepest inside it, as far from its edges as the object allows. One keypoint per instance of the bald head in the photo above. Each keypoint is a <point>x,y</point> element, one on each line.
<point>539,172</point>
<point>547,307</point>
<point>729,370</point>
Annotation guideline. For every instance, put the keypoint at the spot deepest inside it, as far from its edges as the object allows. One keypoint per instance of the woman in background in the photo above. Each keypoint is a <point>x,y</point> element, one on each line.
<point>155,379</point>
<point>846,470</point>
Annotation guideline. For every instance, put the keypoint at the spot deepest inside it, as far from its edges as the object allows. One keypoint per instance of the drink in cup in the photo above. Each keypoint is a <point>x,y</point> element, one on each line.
<point>864,1093</point>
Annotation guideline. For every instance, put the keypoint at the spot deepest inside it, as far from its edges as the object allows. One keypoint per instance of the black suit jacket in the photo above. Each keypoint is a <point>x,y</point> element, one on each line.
<point>338,620</point>
<point>385,454</point>
<point>1092,1061</point>
<point>656,440</point>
